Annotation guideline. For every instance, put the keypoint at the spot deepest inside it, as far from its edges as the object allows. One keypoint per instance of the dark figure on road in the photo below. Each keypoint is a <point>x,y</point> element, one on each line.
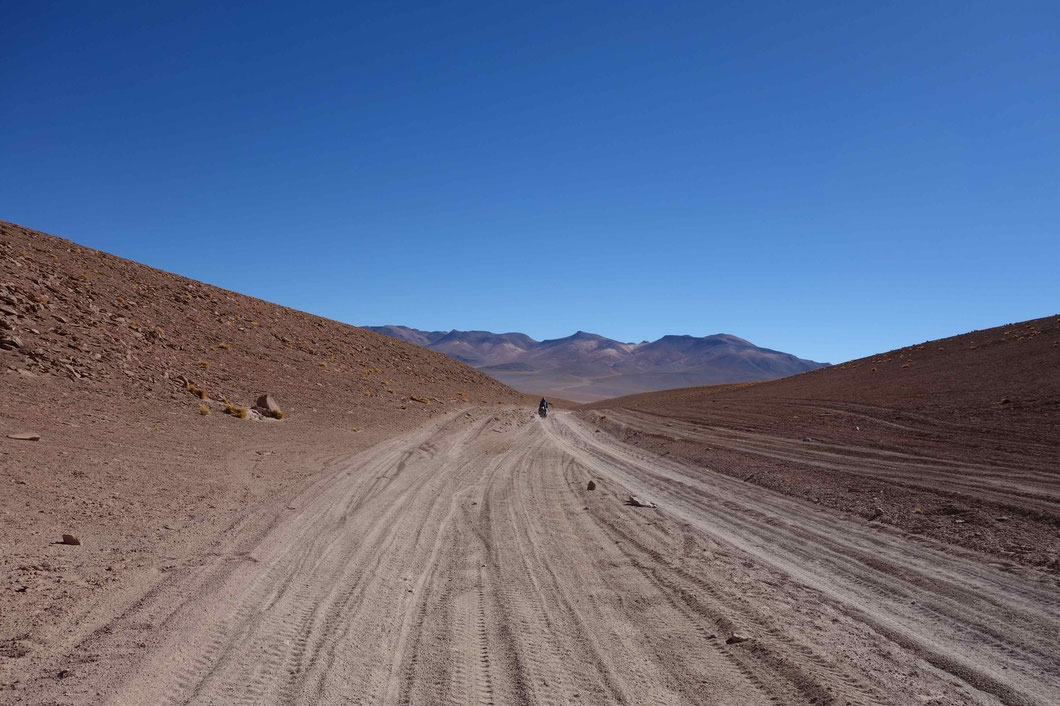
<point>542,408</point>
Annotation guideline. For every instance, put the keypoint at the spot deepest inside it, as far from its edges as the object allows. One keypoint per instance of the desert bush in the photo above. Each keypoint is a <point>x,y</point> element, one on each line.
<point>237,411</point>
<point>203,409</point>
<point>196,390</point>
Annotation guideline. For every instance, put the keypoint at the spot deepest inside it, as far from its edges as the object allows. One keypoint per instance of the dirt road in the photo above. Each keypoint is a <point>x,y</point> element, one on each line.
<point>467,563</point>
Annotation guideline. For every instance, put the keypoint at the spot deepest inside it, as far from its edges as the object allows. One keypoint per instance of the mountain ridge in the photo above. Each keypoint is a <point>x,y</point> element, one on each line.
<point>587,367</point>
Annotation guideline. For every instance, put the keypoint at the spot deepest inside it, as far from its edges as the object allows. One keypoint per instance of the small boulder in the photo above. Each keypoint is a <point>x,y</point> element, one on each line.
<point>591,486</point>
<point>71,540</point>
<point>268,405</point>
<point>24,436</point>
<point>737,637</point>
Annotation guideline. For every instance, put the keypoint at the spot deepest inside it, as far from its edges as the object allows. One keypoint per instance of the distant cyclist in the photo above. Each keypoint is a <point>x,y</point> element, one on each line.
<point>542,408</point>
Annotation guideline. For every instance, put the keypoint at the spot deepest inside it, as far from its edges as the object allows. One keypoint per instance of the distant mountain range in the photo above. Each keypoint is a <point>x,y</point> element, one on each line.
<point>586,367</point>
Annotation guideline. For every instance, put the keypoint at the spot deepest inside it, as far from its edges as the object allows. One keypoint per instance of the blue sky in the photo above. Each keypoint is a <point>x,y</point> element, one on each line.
<point>829,179</point>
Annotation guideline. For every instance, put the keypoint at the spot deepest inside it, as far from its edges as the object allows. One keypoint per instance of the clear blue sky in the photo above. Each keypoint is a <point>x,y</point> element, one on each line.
<point>827,179</point>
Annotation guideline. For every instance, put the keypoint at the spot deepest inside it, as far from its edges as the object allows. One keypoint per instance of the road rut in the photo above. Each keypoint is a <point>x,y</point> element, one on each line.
<point>467,563</point>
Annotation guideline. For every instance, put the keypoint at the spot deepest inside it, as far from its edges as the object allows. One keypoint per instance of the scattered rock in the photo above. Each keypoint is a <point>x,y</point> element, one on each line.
<point>637,502</point>
<point>806,438</point>
<point>1003,518</point>
<point>1005,400</point>
<point>8,342</point>
<point>737,637</point>
<point>876,514</point>
<point>71,540</point>
<point>268,406</point>
<point>24,436</point>
<point>591,486</point>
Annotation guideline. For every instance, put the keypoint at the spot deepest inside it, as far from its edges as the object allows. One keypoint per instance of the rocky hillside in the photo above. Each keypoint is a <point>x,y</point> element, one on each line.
<point>115,379</point>
<point>102,321</point>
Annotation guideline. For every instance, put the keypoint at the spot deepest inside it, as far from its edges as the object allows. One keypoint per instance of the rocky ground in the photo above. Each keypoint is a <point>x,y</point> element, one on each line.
<point>125,373</point>
<point>956,439</point>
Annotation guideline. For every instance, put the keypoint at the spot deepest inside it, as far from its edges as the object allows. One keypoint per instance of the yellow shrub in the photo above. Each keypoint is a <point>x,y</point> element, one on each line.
<point>196,390</point>
<point>203,409</point>
<point>236,411</point>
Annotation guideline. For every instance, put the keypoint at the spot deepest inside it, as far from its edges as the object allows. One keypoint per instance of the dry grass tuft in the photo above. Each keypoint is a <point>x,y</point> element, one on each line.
<point>196,390</point>
<point>204,410</point>
<point>223,346</point>
<point>421,400</point>
<point>204,365</point>
<point>237,411</point>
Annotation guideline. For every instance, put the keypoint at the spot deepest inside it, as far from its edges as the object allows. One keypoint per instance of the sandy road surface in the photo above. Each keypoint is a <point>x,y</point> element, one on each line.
<point>466,563</point>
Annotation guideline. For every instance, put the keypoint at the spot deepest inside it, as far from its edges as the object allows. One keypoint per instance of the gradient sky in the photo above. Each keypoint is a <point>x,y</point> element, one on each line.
<point>829,179</point>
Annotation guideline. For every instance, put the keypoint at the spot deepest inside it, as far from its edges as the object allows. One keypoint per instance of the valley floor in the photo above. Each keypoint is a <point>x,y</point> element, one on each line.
<point>466,562</point>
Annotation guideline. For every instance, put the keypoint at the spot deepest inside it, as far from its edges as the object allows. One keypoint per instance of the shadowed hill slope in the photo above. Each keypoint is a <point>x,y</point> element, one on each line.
<point>942,437</point>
